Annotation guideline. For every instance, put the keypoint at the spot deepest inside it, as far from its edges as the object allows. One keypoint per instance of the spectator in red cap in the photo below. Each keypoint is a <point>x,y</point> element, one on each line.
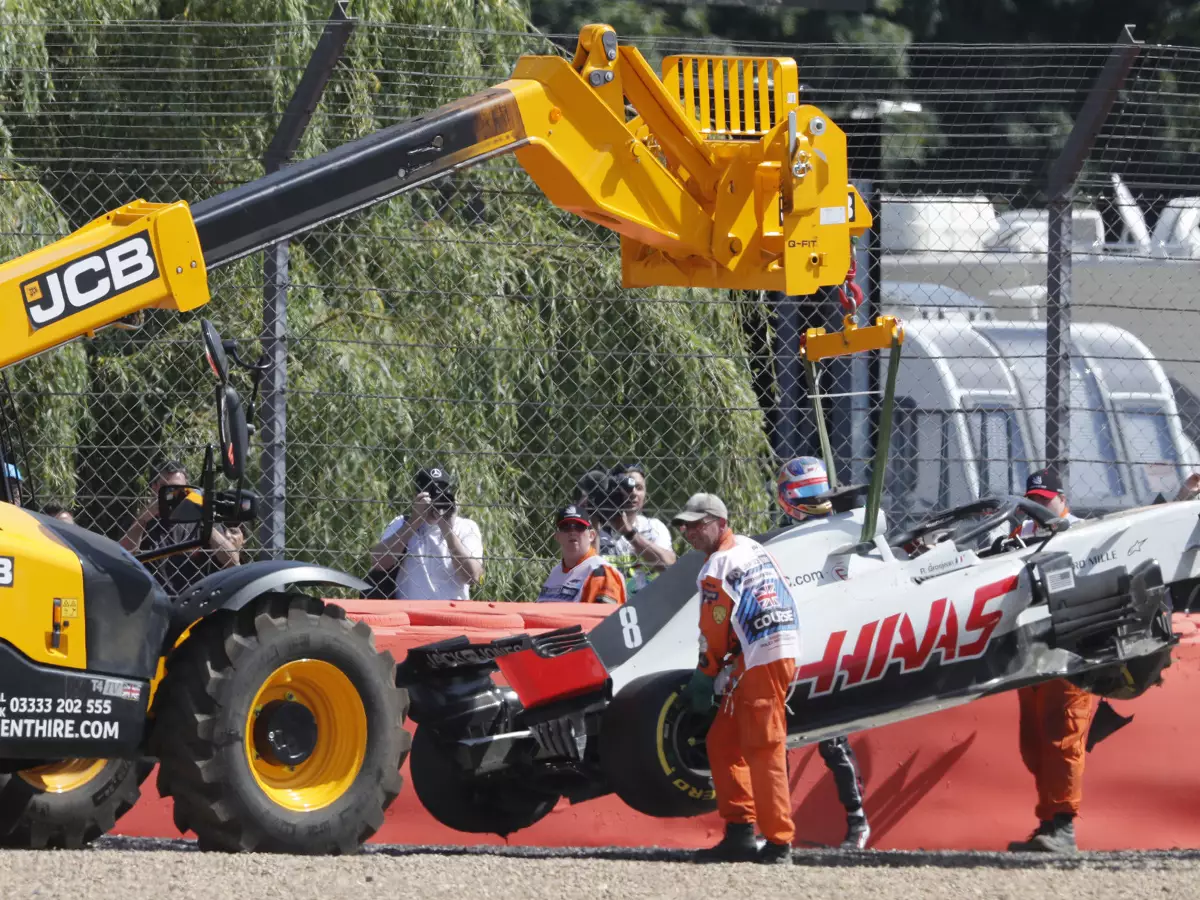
<point>1045,487</point>
<point>583,576</point>
<point>1054,720</point>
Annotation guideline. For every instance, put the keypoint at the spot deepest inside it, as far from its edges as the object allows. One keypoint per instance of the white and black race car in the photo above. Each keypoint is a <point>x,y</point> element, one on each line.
<point>907,624</point>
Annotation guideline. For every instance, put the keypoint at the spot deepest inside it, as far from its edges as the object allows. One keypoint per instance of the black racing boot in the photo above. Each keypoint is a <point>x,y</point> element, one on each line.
<point>1055,835</point>
<point>858,832</point>
<point>738,845</point>
<point>773,854</point>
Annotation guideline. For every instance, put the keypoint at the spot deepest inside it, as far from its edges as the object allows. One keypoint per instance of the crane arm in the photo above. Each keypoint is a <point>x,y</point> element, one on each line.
<point>720,177</point>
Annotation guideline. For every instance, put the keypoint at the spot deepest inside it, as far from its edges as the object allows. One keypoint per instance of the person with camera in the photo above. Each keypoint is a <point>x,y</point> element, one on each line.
<point>584,576</point>
<point>433,553</point>
<point>639,546</point>
<point>149,532</point>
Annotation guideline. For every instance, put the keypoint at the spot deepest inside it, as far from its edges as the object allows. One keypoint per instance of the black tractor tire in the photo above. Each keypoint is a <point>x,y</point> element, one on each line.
<point>652,749</point>
<point>466,803</point>
<point>34,818</point>
<point>208,743</point>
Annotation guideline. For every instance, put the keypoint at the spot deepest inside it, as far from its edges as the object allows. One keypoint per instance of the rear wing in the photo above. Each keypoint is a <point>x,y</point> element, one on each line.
<point>543,669</point>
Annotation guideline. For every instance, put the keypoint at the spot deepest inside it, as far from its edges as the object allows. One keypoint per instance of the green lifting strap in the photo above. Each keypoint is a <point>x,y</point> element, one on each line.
<point>810,369</point>
<point>883,445</point>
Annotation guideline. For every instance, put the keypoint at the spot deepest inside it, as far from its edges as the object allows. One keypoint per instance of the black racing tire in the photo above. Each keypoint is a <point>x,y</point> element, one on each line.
<point>468,804</point>
<point>226,784</point>
<point>36,813</point>
<point>652,749</point>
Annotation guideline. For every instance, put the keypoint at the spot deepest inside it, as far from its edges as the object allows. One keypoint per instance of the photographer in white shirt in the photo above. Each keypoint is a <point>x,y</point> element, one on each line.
<point>435,553</point>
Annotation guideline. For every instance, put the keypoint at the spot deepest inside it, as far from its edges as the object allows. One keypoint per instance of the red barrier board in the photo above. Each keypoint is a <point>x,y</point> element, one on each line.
<point>951,780</point>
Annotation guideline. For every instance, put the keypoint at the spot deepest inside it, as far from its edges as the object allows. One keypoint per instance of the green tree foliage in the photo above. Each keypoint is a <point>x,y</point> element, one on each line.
<point>904,50</point>
<point>948,21</point>
<point>468,322</point>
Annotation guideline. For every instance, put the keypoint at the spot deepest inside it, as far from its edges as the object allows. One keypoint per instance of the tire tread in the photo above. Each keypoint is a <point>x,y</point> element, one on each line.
<point>195,692</point>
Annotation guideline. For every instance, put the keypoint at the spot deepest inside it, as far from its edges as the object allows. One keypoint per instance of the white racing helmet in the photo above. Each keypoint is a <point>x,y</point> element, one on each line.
<point>799,482</point>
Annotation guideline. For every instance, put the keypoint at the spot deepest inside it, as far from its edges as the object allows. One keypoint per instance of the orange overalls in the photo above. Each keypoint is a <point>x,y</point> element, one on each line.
<point>1054,723</point>
<point>747,748</point>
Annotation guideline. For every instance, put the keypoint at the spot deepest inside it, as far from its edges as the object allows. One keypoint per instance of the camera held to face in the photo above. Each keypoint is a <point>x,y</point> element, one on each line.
<point>609,495</point>
<point>442,499</point>
<point>440,486</point>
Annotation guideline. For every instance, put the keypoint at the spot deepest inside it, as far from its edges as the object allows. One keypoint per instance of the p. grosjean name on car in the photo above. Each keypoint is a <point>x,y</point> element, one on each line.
<point>945,565</point>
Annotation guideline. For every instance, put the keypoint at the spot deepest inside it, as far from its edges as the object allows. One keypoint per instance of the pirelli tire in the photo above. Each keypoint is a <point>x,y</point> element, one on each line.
<point>652,749</point>
<point>69,803</point>
<point>461,801</point>
<point>280,729</point>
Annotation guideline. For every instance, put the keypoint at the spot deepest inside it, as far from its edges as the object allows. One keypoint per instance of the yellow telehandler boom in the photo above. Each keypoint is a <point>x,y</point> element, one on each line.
<point>720,178</point>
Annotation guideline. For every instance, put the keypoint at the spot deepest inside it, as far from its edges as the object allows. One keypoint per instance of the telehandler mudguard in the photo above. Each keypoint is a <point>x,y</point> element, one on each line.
<point>233,588</point>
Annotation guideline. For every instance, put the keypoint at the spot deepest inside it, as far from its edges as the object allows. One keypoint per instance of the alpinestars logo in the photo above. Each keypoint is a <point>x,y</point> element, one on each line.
<point>84,282</point>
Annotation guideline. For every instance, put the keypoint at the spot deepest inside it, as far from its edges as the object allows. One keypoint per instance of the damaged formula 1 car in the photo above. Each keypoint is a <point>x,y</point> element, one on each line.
<point>893,626</point>
<point>885,637</point>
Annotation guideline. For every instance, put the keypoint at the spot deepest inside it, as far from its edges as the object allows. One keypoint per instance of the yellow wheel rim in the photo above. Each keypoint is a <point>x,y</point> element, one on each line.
<point>61,777</point>
<point>341,736</point>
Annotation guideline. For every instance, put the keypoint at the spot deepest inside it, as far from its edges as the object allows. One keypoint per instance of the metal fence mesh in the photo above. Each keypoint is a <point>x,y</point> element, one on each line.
<point>473,325</point>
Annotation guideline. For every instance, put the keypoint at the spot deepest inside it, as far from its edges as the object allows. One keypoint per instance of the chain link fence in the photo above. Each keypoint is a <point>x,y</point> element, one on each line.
<point>472,325</point>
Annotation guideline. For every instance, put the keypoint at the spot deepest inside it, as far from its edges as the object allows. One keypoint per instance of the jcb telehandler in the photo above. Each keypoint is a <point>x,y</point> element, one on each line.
<point>275,723</point>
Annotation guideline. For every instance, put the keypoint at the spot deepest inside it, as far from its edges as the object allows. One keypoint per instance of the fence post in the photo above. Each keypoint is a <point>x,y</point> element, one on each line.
<point>1059,183</point>
<point>864,152</point>
<point>864,373</point>
<point>787,324</point>
<point>273,412</point>
<point>1058,335</point>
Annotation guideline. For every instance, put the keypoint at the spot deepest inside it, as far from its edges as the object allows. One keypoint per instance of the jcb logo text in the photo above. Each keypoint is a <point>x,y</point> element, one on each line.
<point>86,281</point>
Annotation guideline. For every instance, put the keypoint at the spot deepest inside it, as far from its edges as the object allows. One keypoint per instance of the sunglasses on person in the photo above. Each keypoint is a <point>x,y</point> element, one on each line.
<point>572,526</point>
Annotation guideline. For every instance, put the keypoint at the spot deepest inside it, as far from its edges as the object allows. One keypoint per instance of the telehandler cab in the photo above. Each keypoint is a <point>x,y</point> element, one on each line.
<point>275,723</point>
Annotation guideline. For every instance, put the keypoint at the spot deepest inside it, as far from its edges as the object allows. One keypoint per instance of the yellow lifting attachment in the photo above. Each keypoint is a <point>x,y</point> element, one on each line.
<point>816,344</point>
<point>722,179</point>
<point>715,175</point>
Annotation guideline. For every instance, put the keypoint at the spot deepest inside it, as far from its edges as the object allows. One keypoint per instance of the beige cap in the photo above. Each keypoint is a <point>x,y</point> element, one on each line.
<point>699,506</point>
